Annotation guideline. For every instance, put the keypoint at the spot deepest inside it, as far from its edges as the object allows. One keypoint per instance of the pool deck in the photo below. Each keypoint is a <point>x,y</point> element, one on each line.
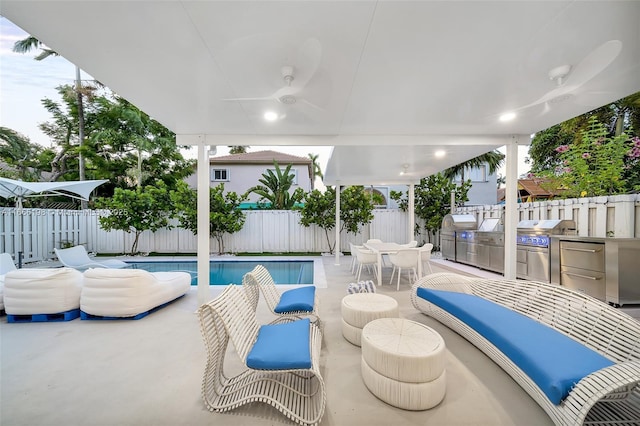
<point>148,372</point>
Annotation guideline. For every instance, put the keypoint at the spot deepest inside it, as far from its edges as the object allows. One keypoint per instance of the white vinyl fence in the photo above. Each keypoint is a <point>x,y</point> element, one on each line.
<point>38,231</point>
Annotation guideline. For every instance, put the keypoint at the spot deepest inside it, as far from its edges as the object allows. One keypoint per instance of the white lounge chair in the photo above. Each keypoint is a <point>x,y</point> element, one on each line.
<point>42,294</point>
<point>129,293</point>
<point>78,258</point>
<point>281,360</point>
<point>299,302</point>
<point>6,265</point>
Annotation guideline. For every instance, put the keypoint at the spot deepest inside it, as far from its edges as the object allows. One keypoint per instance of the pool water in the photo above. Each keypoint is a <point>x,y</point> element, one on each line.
<point>231,272</point>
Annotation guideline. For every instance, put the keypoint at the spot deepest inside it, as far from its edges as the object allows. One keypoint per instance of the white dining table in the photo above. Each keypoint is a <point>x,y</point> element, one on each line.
<point>380,249</point>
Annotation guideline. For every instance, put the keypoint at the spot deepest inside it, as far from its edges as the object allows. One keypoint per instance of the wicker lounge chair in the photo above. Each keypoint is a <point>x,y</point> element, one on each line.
<point>282,360</point>
<point>606,395</point>
<point>77,258</point>
<point>298,303</point>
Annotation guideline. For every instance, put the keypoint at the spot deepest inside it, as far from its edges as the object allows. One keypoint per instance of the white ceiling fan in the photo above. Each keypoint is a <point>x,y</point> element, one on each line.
<point>288,94</point>
<point>569,79</point>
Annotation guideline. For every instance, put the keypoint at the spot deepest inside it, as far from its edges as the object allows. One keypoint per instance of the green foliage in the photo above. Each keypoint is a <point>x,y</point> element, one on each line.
<point>432,200</point>
<point>319,209</point>
<point>18,152</point>
<point>238,149</point>
<point>542,153</point>
<point>274,191</point>
<point>594,166</point>
<point>134,211</point>
<point>493,159</point>
<point>225,216</point>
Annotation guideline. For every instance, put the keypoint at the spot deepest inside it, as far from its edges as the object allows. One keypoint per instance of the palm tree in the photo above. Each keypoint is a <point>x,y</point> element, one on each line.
<point>493,159</point>
<point>317,171</point>
<point>30,43</point>
<point>238,149</point>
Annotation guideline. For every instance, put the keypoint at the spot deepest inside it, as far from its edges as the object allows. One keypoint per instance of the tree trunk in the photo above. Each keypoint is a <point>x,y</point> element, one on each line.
<point>83,203</point>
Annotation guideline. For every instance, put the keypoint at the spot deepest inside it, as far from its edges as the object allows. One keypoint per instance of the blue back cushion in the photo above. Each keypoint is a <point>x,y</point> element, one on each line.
<point>552,360</point>
<point>297,299</point>
<point>282,347</point>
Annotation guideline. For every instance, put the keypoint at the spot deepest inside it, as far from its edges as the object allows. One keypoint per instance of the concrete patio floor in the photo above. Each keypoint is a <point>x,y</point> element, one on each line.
<point>148,372</point>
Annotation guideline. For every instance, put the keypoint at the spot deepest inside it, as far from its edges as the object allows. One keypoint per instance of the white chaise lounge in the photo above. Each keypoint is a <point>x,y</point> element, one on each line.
<point>129,293</point>
<point>42,295</point>
<point>6,265</point>
<point>78,258</point>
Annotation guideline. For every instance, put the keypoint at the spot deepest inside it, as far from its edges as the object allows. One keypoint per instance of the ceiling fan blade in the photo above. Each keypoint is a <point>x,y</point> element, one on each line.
<point>310,104</point>
<point>308,61</point>
<point>595,62</point>
<point>249,99</point>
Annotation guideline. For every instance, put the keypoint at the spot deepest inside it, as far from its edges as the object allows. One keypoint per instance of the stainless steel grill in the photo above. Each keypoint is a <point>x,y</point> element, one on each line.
<point>533,241</point>
<point>455,227</point>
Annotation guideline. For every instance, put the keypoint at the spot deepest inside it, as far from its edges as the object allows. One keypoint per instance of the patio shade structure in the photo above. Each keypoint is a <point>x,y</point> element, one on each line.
<point>362,76</point>
<point>19,190</point>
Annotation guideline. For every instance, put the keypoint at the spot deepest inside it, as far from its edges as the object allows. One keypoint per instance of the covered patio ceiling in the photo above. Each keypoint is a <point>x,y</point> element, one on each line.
<point>387,83</point>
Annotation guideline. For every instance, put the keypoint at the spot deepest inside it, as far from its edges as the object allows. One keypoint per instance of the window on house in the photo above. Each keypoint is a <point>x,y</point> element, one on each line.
<point>220,175</point>
<point>293,172</point>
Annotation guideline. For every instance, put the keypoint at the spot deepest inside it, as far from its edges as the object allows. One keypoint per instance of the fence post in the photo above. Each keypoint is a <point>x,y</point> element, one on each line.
<point>624,215</point>
<point>600,221</point>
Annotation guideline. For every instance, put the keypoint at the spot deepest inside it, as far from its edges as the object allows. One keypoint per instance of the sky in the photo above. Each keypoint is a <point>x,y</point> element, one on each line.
<point>24,82</point>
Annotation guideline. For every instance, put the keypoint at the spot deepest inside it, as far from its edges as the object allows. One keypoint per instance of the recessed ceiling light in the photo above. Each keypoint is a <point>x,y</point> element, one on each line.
<point>440,153</point>
<point>507,116</point>
<point>270,116</point>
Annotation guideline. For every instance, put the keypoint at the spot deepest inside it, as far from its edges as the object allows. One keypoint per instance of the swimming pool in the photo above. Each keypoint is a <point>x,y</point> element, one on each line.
<point>232,271</point>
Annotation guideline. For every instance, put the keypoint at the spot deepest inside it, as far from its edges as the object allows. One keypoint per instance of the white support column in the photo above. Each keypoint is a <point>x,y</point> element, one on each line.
<point>511,210</point>
<point>337,246</point>
<point>204,292</point>
<point>412,212</point>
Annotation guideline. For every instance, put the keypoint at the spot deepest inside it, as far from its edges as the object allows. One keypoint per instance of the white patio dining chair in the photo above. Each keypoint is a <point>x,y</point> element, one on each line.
<point>354,257</point>
<point>404,259</point>
<point>281,361</point>
<point>410,244</point>
<point>425,256</point>
<point>366,258</point>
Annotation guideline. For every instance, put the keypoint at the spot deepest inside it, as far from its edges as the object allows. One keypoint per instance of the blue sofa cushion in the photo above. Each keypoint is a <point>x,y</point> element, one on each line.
<point>283,346</point>
<point>297,299</point>
<point>552,360</point>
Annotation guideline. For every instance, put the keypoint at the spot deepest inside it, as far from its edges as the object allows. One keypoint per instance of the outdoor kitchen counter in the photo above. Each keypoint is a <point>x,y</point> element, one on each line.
<point>605,268</point>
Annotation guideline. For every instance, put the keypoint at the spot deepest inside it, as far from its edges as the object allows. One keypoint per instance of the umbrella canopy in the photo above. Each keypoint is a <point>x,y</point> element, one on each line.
<point>18,189</point>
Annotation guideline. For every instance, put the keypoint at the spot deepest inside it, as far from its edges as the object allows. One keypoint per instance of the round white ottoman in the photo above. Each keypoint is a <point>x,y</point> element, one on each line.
<point>403,363</point>
<point>361,308</point>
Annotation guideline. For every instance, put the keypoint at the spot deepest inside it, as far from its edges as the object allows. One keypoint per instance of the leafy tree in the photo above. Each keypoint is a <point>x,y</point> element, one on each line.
<point>141,149</point>
<point>276,186</point>
<point>621,116</point>
<point>356,210</point>
<point>18,152</point>
<point>225,216</point>
<point>432,200</point>
<point>30,43</point>
<point>134,211</point>
<point>593,166</point>
<point>238,149</point>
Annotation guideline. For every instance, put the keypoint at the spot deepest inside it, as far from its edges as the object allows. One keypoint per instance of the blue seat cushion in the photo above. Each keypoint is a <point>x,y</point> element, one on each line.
<point>283,346</point>
<point>297,299</point>
<point>552,360</point>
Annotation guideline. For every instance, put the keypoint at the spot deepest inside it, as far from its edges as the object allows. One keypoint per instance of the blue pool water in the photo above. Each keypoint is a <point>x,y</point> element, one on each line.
<point>231,272</point>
